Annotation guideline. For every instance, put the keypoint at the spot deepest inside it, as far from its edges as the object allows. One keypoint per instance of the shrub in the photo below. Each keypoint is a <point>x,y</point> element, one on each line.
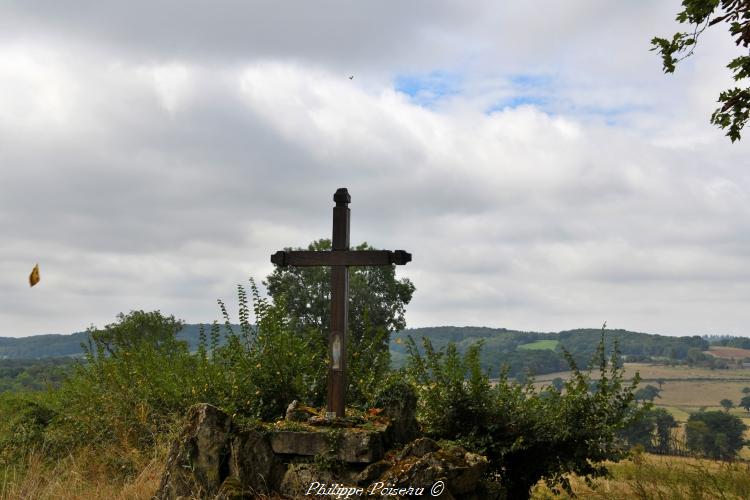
<point>136,376</point>
<point>527,434</point>
<point>262,368</point>
<point>23,426</point>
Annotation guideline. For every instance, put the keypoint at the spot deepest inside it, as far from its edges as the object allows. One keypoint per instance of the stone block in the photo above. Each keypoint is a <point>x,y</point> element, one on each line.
<point>348,445</point>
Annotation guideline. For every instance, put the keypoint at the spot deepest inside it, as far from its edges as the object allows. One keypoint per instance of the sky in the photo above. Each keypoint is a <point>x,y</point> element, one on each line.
<point>532,156</point>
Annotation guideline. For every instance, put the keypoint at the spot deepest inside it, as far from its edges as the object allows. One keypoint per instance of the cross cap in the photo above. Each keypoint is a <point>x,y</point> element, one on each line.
<point>342,197</point>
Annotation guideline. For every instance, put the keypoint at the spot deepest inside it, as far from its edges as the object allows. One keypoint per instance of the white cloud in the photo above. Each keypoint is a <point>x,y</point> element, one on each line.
<point>146,167</point>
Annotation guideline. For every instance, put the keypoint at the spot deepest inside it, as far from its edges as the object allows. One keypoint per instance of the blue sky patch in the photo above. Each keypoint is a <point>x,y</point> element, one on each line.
<point>427,90</point>
<point>527,89</point>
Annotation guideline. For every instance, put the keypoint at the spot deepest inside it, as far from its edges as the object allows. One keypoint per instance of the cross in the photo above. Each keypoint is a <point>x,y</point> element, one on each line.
<point>339,258</point>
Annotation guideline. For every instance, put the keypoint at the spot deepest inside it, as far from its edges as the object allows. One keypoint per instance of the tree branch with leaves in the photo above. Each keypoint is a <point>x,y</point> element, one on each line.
<point>734,110</point>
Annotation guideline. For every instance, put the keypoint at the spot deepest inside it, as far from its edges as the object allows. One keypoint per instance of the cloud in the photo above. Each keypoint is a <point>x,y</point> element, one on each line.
<point>544,174</point>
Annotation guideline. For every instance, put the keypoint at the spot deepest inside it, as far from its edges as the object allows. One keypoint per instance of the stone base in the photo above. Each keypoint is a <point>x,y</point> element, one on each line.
<point>349,445</point>
<point>213,458</point>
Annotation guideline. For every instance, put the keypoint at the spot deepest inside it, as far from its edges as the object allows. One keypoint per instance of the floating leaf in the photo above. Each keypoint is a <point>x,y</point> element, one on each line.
<point>34,276</point>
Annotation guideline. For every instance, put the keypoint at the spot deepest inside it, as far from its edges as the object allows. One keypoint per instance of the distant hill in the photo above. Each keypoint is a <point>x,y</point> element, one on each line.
<point>520,351</point>
<point>41,346</point>
<point>540,353</point>
<point>56,346</point>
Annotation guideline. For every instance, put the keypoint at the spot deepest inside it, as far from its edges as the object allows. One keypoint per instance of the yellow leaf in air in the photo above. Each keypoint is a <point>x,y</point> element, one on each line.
<point>34,276</point>
<point>399,341</point>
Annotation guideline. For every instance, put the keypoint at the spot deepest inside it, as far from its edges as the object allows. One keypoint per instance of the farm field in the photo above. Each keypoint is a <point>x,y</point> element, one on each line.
<point>728,352</point>
<point>540,345</point>
<point>684,390</point>
<point>651,373</point>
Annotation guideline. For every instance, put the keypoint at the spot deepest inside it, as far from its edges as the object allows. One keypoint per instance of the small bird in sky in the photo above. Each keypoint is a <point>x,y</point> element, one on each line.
<point>351,77</point>
<point>34,276</point>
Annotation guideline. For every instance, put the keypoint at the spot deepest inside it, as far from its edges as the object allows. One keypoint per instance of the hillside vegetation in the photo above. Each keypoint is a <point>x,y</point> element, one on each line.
<point>540,353</point>
<point>522,352</point>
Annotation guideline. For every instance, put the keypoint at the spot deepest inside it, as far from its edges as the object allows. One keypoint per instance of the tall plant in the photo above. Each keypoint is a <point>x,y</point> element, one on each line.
<point>527,434</point>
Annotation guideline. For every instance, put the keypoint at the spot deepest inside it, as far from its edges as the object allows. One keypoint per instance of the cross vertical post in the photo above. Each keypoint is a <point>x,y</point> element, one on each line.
<point>339,308</point>
<point>339,259</point>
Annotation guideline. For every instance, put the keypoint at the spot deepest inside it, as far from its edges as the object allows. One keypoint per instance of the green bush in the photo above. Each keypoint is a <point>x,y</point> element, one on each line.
<point>266,366</point>
<point>527,434</point>
<point>135,377</point>
<point>448,402</point>
<point>24,421</point>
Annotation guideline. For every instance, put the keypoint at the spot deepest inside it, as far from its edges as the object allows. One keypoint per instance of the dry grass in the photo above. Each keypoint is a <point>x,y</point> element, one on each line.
<point>699,393</point>
<point>652,476</point>
<point>80,477</point>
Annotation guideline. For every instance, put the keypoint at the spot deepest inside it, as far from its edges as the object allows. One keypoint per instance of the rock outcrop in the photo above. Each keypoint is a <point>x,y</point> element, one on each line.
<point>212,454</point>
<point>423,463</point>
<point>398,402</point>
<point>214,458</point>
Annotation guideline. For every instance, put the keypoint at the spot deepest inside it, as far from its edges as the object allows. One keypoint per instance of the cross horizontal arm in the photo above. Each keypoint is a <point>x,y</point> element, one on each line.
<point>341,258</point>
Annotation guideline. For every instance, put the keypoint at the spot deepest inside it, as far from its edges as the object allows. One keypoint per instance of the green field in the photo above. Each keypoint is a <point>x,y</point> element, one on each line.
<point>539,345</point>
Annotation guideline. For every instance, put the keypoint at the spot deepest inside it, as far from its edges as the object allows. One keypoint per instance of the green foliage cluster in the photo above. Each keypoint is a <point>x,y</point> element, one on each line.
<point>745,402</point>
<point>653,431</point>
<point>19,375</point>
<point>647,393</point>
<point>715,434</point>
<point>22,425</point>
<point>700,14</point>
<point>527,434</point>
<point>727,404</point>
<point>131,382</point>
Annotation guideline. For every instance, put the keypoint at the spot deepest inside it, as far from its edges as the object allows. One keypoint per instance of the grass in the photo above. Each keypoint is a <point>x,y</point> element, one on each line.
<point>648,476</point>
<point>539,345</point>
<point>82,476</point>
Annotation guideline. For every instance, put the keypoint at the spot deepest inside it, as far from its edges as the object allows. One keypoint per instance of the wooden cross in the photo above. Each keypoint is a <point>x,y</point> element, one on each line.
<point>339,258</point>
